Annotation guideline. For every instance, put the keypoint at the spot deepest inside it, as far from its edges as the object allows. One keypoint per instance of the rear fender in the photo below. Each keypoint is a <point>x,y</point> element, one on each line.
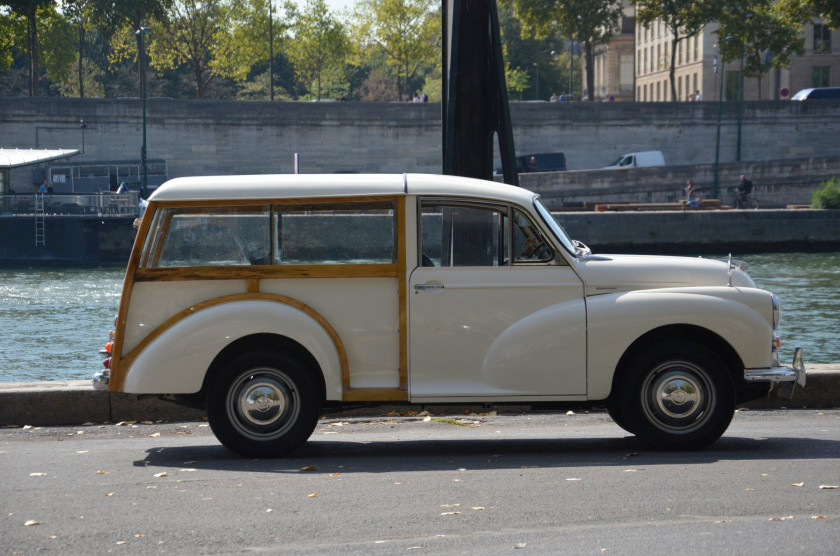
<point>178,358</point>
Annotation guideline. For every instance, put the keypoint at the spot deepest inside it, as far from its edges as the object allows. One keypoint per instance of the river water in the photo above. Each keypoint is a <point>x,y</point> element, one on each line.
<point>54,322</point>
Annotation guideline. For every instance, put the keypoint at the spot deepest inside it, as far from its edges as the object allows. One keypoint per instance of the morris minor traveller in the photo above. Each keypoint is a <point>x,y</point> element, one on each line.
<point>267,299</point>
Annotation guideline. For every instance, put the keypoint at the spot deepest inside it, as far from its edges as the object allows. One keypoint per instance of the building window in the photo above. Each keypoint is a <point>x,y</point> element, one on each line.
<point>820,76</point>
<point>822,38</point>
<point>679,87</point>
<point>696,57</point>
<point>696,90</point>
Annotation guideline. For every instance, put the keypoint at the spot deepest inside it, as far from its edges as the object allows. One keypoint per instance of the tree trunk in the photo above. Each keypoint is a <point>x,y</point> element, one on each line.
<point>81,60</point>
<point>590,71</point>
<point>672,72</point>
<point>33,54</point>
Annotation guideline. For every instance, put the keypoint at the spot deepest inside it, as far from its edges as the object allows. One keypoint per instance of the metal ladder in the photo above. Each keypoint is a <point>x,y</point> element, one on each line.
<point>40,238</point>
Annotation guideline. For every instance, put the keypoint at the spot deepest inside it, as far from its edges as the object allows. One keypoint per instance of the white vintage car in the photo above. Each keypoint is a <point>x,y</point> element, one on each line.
<point>266,299</point>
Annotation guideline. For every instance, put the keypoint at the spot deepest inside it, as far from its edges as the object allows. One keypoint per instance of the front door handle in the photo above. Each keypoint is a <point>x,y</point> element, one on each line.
<point>422,287</point>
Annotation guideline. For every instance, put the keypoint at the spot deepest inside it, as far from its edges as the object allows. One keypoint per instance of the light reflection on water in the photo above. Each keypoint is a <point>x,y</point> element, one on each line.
<point>54,322</point>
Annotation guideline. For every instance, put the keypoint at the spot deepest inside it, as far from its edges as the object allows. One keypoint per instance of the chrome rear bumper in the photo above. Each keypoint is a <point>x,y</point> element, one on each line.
<point>794,373</point>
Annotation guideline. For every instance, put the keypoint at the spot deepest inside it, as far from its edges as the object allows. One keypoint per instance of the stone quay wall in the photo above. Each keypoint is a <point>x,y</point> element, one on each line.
<point>227,137</point>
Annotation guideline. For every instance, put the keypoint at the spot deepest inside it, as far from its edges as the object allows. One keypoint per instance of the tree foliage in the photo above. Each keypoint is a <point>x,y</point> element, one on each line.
<point>762,33</point>
<point>319,49</point>
<point>592,22</point>
<point>187,35</point>
<point>407,31</point>
<point>32,11</point>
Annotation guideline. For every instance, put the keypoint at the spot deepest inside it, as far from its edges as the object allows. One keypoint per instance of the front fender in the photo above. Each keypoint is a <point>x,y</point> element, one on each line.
<point>176,360</point>
<point>740,316</point>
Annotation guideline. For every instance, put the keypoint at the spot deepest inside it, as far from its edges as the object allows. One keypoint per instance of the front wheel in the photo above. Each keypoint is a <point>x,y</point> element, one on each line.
<point>678,396</point>
<point>263,404</point>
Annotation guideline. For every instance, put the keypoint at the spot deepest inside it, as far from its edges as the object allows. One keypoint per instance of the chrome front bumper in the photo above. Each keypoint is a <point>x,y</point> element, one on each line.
<point>795,373</point>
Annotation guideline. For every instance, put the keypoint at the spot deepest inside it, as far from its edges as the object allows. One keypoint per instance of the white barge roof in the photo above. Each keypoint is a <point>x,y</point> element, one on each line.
<point>312,186</point>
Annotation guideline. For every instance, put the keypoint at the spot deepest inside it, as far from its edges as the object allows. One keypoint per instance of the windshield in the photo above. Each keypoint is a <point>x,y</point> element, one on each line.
<point>556,228</point>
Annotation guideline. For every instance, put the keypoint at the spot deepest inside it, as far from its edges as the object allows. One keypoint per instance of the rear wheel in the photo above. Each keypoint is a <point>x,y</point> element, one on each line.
<point>678,396</point>
<point>263,404</point>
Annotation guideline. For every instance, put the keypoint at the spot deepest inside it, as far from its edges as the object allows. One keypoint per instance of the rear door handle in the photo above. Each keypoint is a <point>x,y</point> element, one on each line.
<point>422,287</point>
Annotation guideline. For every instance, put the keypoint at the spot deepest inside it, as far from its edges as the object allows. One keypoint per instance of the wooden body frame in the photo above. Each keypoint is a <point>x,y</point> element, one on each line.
<point>120,362</point>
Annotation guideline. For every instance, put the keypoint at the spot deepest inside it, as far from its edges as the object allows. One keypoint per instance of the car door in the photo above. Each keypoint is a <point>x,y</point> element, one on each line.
<point>494,311</point>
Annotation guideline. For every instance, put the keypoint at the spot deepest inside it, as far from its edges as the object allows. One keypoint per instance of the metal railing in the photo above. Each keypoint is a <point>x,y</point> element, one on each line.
<point>62,204</point>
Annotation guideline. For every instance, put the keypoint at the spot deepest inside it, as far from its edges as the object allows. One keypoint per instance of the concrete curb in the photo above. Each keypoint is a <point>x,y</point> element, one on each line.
<point>75,402</point>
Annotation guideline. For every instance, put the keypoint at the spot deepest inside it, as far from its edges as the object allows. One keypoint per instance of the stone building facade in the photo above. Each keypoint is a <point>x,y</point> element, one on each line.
<point>698,69</point>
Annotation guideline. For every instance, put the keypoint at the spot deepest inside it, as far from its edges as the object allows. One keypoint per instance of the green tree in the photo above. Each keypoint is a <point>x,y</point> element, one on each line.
<point>186,35</point>
<point>592,22</point>
<point>12,33</point>
<point>81,15</point>
<point>58,54</point>
<point>529,60</point>
<point>31,11</point>
<point>319,49</point>
<point>124,19</point>
<point>803,10</point>
<point>683,18</point>
<point>407,31</point>
<point>762,34</point>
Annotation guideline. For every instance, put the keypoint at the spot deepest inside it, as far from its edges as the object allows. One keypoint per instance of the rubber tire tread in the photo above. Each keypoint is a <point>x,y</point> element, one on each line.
<point>721,379</point>
<point>300,431</point>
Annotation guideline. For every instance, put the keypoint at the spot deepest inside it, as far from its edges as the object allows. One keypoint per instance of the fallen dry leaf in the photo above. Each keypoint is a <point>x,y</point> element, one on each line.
<point>520,545</point>
<point>787,517</point>
<point>478,508</point>
<point>109,494</point>
<point>82,451</point>
<point>570,412</point>
<point>426,419</point>
<point>31,522</point>
<point>797,484</point>
<point>450,513</point>
<point>188,470</point>
<point>122,542</point>
<point>749,489</point>
<point>632,455</point>
<point>139,536</point>
<point>829,487</point>
<point>155,435</point>
<point>449,505</point>
<point>37,474</point>
<point>101,472</point>
<point>313,495</point>
<point>309,468</point>
<point>572,479</point>
<point>160,474</point>
<point>817,517</point>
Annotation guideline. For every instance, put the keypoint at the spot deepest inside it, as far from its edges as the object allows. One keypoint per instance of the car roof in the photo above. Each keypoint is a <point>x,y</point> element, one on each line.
<point>313,186</point>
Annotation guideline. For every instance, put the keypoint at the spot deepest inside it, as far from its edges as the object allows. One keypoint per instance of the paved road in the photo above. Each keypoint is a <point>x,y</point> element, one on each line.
<point>539,483</point>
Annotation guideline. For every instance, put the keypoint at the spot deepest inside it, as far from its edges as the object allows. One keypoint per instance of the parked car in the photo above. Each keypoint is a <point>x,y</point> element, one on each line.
<point>265,299</point>
<point>818,93</point>
<point>638,160</point>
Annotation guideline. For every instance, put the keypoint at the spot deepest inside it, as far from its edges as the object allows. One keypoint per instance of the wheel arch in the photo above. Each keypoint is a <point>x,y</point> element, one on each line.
<point>265,342</point>
<point>669,333</point>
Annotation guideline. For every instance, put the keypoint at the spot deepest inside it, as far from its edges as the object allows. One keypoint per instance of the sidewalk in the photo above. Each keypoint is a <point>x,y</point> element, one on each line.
<point>75,402</point>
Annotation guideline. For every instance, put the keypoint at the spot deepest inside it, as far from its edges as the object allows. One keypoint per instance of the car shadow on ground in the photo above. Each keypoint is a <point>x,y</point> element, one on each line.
<point>476,454</point>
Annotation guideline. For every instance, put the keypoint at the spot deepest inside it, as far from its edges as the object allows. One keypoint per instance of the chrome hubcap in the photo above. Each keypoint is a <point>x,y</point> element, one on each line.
<point>677,396</point>
<point>263,403</point>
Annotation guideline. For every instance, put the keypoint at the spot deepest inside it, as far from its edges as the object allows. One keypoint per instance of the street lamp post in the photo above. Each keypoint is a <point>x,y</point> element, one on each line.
<point>537,65</point>
<point>720,110</point>
<point>271,50</point>
<point>142,59</point>
<point>740,104</point>
<point>83,127</point>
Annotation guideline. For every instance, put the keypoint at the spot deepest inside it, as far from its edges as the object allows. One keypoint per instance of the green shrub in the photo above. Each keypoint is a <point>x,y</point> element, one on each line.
<point>828,195</point>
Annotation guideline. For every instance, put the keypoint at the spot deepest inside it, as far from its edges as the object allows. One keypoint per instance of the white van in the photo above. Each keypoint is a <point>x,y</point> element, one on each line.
<point>265,299</point>
<point>638,160</point>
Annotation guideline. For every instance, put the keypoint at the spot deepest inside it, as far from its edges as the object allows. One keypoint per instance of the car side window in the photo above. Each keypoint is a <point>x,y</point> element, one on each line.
<point>209,236</point>
<point>461,234</point>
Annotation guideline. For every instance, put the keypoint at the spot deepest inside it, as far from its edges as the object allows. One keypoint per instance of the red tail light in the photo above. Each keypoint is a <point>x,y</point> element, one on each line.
<point>107,363</point>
